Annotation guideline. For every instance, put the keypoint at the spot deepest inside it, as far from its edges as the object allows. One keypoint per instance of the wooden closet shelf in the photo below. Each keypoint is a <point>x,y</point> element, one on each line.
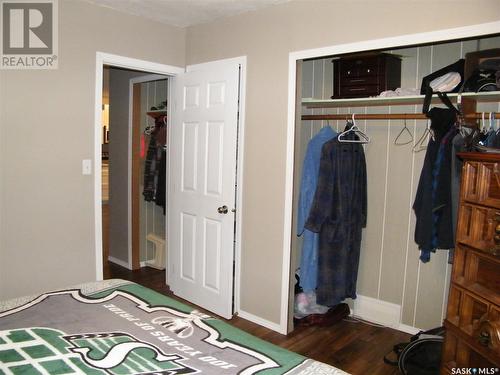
<point>492,96</point>
<point>386,116</point>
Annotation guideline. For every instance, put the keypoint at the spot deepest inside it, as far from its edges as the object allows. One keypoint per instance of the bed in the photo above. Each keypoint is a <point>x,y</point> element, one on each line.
<point>119,327</point>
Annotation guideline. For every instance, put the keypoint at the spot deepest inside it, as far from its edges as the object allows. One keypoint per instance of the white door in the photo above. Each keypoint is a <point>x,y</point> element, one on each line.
<point>203,137</point>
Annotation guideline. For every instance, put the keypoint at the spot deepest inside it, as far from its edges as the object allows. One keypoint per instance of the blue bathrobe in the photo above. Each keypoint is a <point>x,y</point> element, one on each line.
<point>310,171</point>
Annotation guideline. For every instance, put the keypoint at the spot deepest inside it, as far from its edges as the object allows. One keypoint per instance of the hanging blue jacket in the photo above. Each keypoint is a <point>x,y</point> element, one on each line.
<point>310,171</point>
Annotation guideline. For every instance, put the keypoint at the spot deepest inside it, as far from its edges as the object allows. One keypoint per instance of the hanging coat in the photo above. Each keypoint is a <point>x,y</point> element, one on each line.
<point>309,181</point>
<point>338,214</point>
<point>432,206</point>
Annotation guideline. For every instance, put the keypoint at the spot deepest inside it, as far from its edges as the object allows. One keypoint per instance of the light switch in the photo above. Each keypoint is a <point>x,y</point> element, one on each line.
<point>86,166</point>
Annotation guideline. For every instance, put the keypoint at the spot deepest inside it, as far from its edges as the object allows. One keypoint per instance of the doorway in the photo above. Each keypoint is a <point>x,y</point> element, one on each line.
<point>215,95</point>
<point>134,224</point>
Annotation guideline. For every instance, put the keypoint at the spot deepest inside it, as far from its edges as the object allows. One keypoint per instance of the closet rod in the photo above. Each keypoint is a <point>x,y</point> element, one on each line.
<point>391,116</point>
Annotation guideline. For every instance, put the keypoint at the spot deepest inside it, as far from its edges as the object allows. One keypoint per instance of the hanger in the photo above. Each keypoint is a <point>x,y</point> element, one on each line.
<point>423,140</point>
<point>482,127</point>
<point>148,129</point>
<point>405,128</point>
<point>164,119</point>
<point>363,138</point>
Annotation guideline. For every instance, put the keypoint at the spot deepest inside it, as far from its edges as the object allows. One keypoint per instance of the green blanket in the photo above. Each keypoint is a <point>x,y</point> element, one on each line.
<point>119,327</point>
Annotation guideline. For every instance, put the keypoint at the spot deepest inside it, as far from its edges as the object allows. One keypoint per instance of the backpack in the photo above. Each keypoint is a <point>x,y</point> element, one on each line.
<point>421,355</point>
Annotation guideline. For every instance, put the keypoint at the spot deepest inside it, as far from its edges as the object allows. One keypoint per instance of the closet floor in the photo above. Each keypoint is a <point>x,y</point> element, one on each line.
<point>355,347</point>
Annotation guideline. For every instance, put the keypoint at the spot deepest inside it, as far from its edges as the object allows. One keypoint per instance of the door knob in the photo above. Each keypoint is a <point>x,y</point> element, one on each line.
<point>222,209</point>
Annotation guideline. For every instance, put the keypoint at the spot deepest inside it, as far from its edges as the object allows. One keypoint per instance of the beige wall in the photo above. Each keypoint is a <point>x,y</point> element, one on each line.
<point>266,37</point>
<point>47,235</point>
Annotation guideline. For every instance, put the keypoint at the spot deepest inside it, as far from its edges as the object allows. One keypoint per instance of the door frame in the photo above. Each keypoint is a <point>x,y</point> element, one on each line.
<point>171,71</point>
<point>383,43</point>
<point>117,61</point>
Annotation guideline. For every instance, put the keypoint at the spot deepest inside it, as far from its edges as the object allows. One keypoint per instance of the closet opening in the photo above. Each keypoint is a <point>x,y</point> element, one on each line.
<point>134,173</point>
<point>376,88</point>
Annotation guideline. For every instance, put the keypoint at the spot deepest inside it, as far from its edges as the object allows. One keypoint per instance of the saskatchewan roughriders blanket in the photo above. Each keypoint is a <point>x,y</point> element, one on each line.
<point>118,327</point>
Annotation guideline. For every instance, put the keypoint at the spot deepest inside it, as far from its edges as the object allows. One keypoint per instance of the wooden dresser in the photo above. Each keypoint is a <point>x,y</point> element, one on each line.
<point>473,315</point>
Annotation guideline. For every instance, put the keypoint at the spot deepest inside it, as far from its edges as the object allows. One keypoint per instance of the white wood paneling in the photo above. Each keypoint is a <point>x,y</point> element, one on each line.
<point>389,268</point>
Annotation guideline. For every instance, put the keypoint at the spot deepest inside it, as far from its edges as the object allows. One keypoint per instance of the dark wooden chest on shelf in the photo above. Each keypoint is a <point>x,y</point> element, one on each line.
<point>365,75</point>
<point>473,315</point>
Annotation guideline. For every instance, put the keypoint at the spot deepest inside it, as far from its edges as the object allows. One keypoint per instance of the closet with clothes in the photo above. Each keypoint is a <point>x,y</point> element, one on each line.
<point>367,233</point>
<point>153,171</point>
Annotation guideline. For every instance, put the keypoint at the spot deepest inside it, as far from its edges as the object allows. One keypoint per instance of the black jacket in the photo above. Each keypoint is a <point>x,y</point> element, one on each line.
<point>432,206</point>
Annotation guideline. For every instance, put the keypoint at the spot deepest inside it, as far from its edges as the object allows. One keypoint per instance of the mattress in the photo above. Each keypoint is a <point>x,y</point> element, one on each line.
<point>119,327</point>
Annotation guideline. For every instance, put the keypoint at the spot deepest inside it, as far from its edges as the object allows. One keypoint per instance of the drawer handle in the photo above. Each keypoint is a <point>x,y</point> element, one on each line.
<point>358,80</point>
<point>488,333</point>
<point>358,89</point>
<point>484,338</point>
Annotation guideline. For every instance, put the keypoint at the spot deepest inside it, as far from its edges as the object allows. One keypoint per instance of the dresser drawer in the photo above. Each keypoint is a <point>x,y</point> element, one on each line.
<point>458,354</point>
<point>487,331</point>
<point>361,90</point>
<point>470,182</point>
<point>490,176</point>
<point>485,220</point>
<point>474,271</point>
<point>358,68</point>
<point>480,276</point>
<point>481,183</point>
<point>359,81</point>
<point>477,227</point>
<point>472,311</point>
<point>465,226</point>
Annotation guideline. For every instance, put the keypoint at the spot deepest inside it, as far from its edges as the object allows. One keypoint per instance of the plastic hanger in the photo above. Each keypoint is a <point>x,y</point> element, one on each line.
<point>148,130</point>
<point>363,138</point>
<point>405,129</point>
<point>482,127</point>
<point>424,139</point>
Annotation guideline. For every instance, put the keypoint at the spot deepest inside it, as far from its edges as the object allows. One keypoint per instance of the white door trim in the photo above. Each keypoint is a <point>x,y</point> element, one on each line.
<point>122,62</point>
<point>385,43</point>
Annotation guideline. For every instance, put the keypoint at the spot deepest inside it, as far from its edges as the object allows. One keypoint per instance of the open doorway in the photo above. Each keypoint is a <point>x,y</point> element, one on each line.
<point>133,170</point>
<point>204,160</point>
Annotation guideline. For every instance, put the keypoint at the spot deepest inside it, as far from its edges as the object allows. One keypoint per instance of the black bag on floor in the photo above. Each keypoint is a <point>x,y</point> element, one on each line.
<point>420,356</point>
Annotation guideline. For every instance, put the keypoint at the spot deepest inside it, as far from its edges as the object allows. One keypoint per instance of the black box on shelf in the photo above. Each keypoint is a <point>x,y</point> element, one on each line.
<point>365,75</point>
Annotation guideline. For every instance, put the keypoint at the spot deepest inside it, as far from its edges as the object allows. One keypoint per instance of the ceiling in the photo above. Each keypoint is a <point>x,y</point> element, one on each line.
<point>185,13</point>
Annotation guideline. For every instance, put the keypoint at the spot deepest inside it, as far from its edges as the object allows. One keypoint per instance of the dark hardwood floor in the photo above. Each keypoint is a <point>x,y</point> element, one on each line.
<point>355,347</point>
